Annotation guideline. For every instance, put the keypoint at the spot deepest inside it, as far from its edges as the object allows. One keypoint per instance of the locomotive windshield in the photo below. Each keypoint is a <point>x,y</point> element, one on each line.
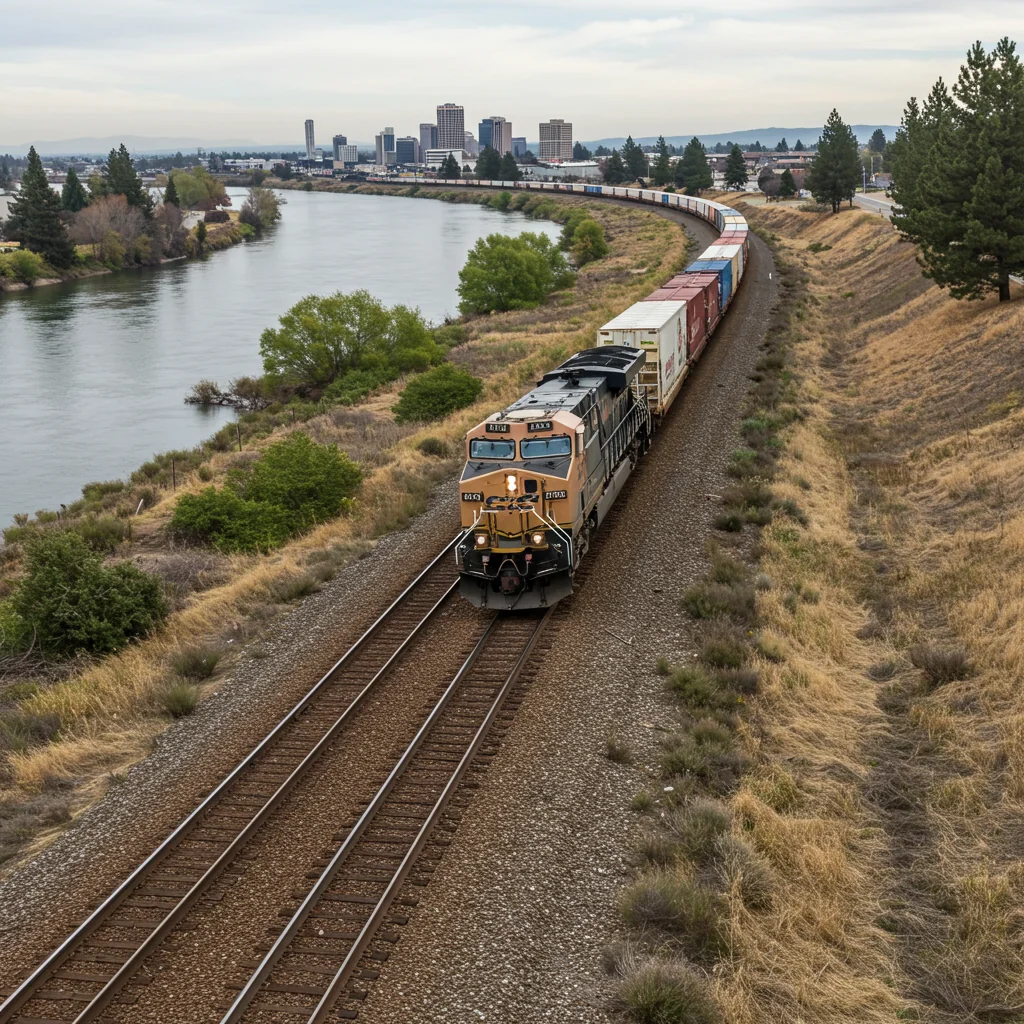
<point>539,447</point>
<point>485,448</point>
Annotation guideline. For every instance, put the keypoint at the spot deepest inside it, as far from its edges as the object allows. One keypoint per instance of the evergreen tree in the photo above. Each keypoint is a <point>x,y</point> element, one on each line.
<point>661,172</point>
<point>602,151</point>
<point>799,147</point>
<point>73,196</point>
<point>787,186</point>
<point>614,172</point>
<point>171,192</point>
<point>836,169</point>
<point>509,169</point>
<point>958,174</point>
<point>735,169</point>
<point>877,141</point>
<point>580,152</point>
<point>634,159</point>
<point>782,146</point>
<point>449,169</point>
<point>692,171</point>
<point>121,178</point>
<point>6,178</point>
<point>488,164</point>
<point>35,217</point>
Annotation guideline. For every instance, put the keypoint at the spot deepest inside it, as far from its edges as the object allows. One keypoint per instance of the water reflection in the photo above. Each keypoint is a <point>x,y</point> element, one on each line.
<point>93,373</point>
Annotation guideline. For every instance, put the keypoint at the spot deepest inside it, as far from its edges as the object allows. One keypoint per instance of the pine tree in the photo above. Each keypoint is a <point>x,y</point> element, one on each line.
<point>799,147</point>
<point>121,178</point>
<point>692,171</point>
<point>449,169</point>
<point>35,217</point>
<point>782,146</point>
<point>488,164</point>
<point>171,192</point>
<point>877,142</point>
<point>836,169</point>
<point>6,178</point>
<point>735,168</point>
<point>661,173</point>
<point>634,159</point>
<point>958,174</point>
<point>509,169</point>
<point>73,196</point>
<point>614,172</point>
<point>787,186</point>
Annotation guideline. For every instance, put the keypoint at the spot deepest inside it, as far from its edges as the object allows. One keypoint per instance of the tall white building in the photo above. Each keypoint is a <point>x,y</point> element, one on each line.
<point>451,126</point>
<point>310,144</point>
<point>555,140</point>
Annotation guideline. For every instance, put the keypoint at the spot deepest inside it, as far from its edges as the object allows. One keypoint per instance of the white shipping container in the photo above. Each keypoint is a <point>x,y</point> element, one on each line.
<point>733,253</point>
<point>659,328</point>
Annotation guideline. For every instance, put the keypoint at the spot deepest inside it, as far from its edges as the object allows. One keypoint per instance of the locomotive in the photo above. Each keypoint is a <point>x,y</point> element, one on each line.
<point>541,476</point>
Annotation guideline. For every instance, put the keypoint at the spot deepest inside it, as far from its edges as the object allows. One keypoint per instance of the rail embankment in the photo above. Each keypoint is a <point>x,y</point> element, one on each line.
<point>67,731</point>
<point>872,868</point>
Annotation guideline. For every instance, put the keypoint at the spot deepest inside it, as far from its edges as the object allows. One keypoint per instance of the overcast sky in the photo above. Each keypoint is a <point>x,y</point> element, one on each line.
<point>255,70</point>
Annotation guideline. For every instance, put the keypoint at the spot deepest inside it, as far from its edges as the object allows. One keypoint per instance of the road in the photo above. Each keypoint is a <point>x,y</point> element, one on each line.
<point>881,206</point>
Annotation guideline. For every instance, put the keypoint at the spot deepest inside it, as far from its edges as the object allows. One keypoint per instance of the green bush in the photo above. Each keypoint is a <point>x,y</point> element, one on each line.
<point>504,273</point>
<point>576,217</point>
<point>436,393</point>
<point>23,266</point>
<point>196,662</point>
<point>295,484</point>
<point>101,533</point>
<point>72,602</point>
<point>667,993</point>
<point>434,447</point>
<point>13,634</point>
<point>353,387</point>
<point>588,243</point>
<point>181,699</point>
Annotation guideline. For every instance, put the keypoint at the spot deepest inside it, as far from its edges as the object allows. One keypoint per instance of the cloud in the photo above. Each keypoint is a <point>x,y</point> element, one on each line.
<point>257,70</point>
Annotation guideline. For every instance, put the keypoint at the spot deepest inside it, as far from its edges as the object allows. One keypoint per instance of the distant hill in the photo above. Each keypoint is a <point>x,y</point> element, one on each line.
<point>766,136</point>
<point>158,146</point>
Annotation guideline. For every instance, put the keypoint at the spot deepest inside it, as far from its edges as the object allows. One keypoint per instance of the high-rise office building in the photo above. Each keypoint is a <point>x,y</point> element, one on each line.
<point>470,145</point>
<point>407,150</point>
<point>555,140</point>
<point>451,126</point>
<point>310,144</point>
<point>336,143</point>
<point>519,147</point>
<point>386,147</point>
<point>496,132</point>
<point>428,136</point>
<point>346,155</point>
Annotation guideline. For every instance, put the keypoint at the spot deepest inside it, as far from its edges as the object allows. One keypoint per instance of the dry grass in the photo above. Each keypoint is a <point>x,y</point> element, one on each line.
<point>110,711</point>
<point>890,727</point>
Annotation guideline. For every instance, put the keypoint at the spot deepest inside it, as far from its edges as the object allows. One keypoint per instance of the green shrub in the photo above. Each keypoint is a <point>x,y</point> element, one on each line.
<point>503,272</point>
<point>311,482</point>
<point>667,993</point>
<point>352,387</point>
<point>434,447</point>
<point>221,518</point>
<point>101,488</point>
<point>181,699</point>
<point>72,602</point>
<point>588,243</point>
<point>576,217</point>
<point>23,266</point>
<point>723,650</point>
<point>739,868</point>
<point>436,393</point>
<point>711,600</point>
<point>13,634</point>
<point>693,685</point>
<point>101,533</point>
<point>196,662</point>
<point>697,826</point>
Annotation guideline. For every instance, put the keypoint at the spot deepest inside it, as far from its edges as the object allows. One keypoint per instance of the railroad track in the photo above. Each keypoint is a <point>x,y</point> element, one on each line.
<point>91,968</point>
<point>316,968</point>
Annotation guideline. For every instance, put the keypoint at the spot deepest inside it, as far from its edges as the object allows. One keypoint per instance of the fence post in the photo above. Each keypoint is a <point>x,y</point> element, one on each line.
<point>174,478</point>
<point>238,431</point>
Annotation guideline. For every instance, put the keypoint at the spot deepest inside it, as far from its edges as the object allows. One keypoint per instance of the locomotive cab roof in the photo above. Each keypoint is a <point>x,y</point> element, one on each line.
<point>617,364</point>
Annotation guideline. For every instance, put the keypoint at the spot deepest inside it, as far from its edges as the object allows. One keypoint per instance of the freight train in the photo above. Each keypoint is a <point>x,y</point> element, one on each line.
<point>542,475</point>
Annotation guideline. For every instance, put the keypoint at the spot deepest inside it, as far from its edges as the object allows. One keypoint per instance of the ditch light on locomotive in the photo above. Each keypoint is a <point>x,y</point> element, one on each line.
<point>541,475</point>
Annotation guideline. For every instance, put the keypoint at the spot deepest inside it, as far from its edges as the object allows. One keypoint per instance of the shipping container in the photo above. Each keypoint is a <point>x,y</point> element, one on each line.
<point>723,268</point>
<point>660,329</point>
<point>727,252</point>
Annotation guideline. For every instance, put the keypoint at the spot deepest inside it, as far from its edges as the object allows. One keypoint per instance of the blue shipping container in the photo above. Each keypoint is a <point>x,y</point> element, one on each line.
<point>723,268</point>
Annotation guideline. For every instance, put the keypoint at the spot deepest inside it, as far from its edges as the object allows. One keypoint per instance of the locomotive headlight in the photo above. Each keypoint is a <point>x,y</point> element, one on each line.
<point>510,484</point>
<point>481,540</point>
<point>537,539</point>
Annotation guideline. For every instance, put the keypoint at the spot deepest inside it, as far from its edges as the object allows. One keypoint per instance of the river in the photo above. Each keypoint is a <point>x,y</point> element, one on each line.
<point>93,373</point>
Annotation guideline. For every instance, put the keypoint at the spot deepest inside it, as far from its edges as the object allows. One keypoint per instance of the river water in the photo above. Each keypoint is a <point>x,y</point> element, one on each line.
<point>93,373</point>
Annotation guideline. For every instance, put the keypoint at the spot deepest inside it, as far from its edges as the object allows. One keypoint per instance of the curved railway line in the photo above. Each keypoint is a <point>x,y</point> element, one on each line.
<point>91,969</point>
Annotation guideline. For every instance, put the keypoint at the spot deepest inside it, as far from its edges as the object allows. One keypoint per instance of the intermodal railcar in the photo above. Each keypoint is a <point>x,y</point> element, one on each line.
<point>542,475</point>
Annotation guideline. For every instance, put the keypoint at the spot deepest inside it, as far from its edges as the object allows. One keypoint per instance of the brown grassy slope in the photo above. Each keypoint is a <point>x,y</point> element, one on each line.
<point>897,708</point>
<point>109,712</point>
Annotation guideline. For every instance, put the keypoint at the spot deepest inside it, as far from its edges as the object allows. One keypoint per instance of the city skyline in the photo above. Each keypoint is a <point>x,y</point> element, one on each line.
<point>118,68</point>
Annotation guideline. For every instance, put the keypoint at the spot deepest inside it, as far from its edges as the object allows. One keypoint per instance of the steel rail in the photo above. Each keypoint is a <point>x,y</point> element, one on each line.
<point>263,972</point>
<point>27,989</point>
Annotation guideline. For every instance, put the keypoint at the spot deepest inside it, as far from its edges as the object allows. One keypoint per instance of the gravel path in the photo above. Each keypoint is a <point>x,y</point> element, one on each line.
<point>513,923</point>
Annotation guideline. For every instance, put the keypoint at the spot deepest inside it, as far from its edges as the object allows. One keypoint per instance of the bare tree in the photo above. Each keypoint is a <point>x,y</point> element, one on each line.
<point>111,213</point>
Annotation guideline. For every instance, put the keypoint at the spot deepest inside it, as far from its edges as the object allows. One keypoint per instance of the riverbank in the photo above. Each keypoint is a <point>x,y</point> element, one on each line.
<point>110,712</point>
